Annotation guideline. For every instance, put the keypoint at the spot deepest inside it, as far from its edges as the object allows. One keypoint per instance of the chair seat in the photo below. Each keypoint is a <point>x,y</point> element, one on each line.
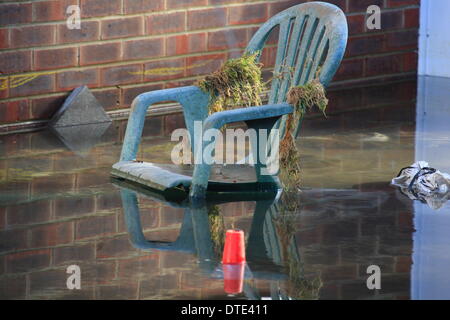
<point>167,176</point>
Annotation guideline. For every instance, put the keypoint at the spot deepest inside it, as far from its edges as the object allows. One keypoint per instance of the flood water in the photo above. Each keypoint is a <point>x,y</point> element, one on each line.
<point>59,207</point>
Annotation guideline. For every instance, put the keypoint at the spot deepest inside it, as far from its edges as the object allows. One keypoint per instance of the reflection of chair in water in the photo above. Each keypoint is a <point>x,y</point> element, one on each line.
<point>265,251</point>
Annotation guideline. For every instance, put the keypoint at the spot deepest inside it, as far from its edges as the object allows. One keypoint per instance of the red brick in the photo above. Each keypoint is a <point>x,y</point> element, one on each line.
<point>121,28</point>
<point>13,288</point>
<point>123,291</point>
<point>279,6</point>
<point>164,70</point>
<point>203,64</point>
<point>51,10</point>
<point>356,24</point>
<point>13,240</point>
<point>55,58</point>
<point>186,43</point>
<point>128,94</point>
<point>15,61</point>
<point>383,65</point>
<point>4,38</point>
<point>170,259</point>
<point>4,90</point>
<point>167,235</point>
<point>247,14</point>
<point>227,39</point>
<point>362,5</point>
<point>410,61</point>
<point>167,281</point>
<point>41,84</point>
<point>91,178</point>
<point>172,216</point>
<point>402,3</point>
<point>172,122</point>
<point>64,255</point>
<point>2,218</point>
<point>350,69</point>
<point>206,18</point>
<point>45,108</point>
<point>166,23</point>
<point>95,227</point>
<point>29,213</point>
<point>108,98</point>
<point>31,36</point>
<point>115,247</point>
<point>68,80</point>
<point>268,57</point>
<point>179,83</point>
<point>340,3</point>
<point>142,6</point>
<point>342,99</point>
<point>15,14</point>
<point>362,45</point>
<point>141,49</point>
<point>178,4</point>
<point>343,272</point>
<point>216,2</point>
<point>67,207</point>
<point>153,127</point>
<point>108,201</point>
<point>412,18</point>
<point>112,76</point>
<point>90,31</point>
<point>27,261</point>
<point>52,234</point>
<point>391,20</point>
<point>403,264</point>
<point>138,267</point>
<point>99,8</point>
<point>402,40</point>
<point>99,53</point>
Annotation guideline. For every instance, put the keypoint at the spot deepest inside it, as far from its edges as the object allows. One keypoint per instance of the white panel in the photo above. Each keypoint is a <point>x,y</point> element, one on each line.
<point>430,278</point>
<point>434,38</point>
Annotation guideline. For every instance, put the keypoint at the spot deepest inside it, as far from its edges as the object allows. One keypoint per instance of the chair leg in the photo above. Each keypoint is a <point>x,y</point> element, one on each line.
<point>261,169</point>
<point>184,243</point>
<point>200,182</point>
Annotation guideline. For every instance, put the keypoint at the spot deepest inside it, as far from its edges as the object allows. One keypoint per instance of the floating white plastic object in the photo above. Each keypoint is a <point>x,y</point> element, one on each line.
<point>421,182</point>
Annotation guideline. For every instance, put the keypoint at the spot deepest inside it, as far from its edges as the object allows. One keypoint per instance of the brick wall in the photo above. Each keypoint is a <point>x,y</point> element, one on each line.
<point>126,47</point>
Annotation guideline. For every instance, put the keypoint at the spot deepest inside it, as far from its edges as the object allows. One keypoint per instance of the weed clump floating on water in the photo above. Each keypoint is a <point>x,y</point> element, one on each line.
<point>299,286</point>
<point>217,229</point>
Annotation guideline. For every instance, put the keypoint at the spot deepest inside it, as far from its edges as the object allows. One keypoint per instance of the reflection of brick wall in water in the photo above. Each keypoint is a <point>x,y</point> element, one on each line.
<point>126,47</point>
<point>63,211</point>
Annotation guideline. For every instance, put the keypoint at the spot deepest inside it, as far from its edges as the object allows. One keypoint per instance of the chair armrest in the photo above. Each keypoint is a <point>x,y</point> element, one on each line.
<point>188,97</point>
<point>219,119</point>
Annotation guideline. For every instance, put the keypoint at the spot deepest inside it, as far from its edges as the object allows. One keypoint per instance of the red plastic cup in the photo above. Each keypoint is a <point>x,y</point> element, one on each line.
<point>233,278</point>
<point>234,249</point>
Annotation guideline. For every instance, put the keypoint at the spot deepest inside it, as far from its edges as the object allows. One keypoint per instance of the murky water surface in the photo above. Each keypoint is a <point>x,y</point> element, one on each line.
<point>58,207</point>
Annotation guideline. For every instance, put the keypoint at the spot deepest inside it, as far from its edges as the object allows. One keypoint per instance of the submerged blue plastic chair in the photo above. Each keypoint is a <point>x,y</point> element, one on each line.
<point>311,43</point>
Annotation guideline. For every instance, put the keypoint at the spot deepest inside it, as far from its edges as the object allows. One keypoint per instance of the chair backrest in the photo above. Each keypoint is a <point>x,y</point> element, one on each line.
<point>311,43</point>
